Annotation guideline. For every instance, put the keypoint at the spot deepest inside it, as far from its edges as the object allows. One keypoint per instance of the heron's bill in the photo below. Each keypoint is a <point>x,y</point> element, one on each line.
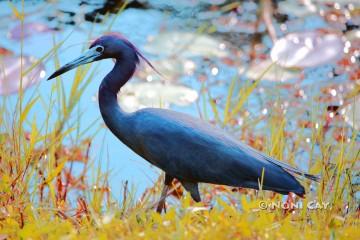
<point>87,57</point>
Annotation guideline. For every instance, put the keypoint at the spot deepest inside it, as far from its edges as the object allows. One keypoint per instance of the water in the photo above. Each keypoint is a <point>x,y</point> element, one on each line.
<point>223,52</point>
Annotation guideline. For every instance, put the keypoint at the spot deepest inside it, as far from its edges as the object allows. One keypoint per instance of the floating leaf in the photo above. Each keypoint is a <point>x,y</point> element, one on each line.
<point>10,69</point>
<point>173,4</point>
<point>307,49</point>
<point>183,4</point>
<point>343,2</point>
<point>274,74</point>
<point>17,33</point>
<point>140,95</point>
<point>296,8</point>
<point>353,35</point>
<point>232,23</point>
<point>171,68</point>
<point>185,44</point>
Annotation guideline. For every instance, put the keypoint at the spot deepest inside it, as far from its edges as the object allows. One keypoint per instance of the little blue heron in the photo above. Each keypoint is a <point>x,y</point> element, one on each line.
<point>184,147</point>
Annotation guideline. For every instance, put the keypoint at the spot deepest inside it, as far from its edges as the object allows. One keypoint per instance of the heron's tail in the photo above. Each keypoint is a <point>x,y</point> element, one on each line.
<point>315,178</point>
<point>299,173</point>
<point>293,170</point>
<point>286,166</point>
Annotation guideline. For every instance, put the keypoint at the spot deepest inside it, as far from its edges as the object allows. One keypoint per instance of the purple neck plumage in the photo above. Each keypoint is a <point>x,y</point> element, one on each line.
<point>114,117</point>
<point>127,57</point>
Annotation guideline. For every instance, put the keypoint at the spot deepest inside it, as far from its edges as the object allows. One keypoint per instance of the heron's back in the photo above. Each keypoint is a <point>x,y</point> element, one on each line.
<point>193,150</point>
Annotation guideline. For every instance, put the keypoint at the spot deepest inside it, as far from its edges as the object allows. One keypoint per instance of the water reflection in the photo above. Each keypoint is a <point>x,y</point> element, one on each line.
<point>11,68</point>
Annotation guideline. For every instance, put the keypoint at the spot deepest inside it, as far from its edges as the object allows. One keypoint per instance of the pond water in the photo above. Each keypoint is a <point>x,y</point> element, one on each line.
<point>200,46</point>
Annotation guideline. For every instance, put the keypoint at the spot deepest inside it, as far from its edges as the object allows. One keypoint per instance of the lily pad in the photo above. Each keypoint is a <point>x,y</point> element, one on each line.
<point>342,2</point>
<point>29,29</point>
<point>232,23</point>
<point>307,49</point>
<point>173,4</point>
<point>171,68</point>
<point>10,69</point>
<point>135,96</point>
<point>213,2</point>
<point>296,8</point>
<point>275,73</point>
<point>185,44</point>
<point>353,35</point>
<point>183,3</point>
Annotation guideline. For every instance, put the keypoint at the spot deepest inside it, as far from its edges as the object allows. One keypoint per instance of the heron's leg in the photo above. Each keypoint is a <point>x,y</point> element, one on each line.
<point>167,183</point>
<point>193,189</point>
<point>290,201</point>
<point>290,198</point>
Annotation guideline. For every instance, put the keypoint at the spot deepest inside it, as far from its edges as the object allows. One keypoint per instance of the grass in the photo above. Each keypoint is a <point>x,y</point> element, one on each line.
<point>42,198</point>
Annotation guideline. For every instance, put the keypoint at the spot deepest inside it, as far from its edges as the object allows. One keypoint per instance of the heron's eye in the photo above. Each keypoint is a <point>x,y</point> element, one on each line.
<point>99,49</point>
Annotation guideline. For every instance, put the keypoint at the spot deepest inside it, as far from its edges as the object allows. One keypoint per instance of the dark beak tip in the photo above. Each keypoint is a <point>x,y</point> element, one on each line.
<point>54,75</point>
<point>51,77</point>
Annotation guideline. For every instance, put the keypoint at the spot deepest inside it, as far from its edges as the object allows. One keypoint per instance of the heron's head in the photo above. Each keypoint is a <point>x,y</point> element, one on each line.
<point>111,45</point>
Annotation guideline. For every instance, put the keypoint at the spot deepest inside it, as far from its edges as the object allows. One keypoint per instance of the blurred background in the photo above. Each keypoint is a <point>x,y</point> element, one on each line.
<point>241,65</point>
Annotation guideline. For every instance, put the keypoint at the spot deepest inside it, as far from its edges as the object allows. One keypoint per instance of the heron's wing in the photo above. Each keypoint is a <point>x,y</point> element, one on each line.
<point>283,165</point>
<point>291,169</point>
<point>191,149</point>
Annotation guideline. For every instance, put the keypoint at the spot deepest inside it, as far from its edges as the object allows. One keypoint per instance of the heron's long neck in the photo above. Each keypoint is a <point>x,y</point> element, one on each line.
<point>114,117</point>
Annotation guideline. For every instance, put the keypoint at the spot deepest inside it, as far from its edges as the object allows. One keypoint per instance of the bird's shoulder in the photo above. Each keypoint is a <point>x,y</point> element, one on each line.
<point>164,123</point>
<point>165,133</point>
<point>157,119</point>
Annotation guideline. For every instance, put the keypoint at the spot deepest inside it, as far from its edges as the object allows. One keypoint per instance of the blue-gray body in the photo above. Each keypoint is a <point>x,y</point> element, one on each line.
<point>192,150</point>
